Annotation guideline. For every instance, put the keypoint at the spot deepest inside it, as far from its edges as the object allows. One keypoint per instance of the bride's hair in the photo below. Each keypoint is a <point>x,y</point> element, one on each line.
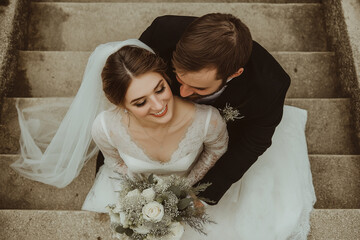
<point>124,65</point>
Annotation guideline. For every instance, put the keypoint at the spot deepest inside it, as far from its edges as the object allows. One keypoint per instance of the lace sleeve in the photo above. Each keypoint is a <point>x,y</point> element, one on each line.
<point>215,145</point>
<point>103,141</point>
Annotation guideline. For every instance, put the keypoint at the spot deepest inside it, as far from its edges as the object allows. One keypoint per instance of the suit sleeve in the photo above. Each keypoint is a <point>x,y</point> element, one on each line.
<point>164,33</point>
<point>147,36</point>
<point>246,143</point>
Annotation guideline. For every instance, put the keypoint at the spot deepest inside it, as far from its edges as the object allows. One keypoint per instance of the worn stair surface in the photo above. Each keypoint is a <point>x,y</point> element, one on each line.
<point>163,1</point>
<point>68,26</point>
<point>69,225</point>
<point>56,73</point>
<point>62,35</point>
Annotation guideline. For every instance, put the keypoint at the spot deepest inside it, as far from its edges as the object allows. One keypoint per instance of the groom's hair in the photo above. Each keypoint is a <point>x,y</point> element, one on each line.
<point>214,40</point>
<point>124,65</point>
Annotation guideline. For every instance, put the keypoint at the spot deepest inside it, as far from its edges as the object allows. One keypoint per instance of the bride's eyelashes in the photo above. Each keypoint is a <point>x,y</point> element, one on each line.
<point>161,90</point>
<point>140,104</point>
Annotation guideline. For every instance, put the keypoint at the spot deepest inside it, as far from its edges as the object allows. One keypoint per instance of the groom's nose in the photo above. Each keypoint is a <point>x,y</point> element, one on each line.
<point>186,91</point>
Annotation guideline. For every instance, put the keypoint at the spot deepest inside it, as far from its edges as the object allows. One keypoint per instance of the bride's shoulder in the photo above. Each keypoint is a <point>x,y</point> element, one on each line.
<point>108,115</point>
<point>206,109</point>
<point>184,105</point>
<point>197,109</point>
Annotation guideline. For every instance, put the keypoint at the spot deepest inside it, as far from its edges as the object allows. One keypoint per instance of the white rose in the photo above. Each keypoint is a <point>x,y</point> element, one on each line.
<point>153,211</point>
<point>151,237</point>
<point>117,208</point>
<point>141,230</point>
<point>133,193</point>
<point>114,217</point>
<point>177,230</point>
<point>148,194</point>
<point>159,180</point>
<point>123,219</point>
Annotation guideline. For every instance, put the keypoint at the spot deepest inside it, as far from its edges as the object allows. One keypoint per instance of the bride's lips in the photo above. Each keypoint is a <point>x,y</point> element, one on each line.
<point>162,112</point>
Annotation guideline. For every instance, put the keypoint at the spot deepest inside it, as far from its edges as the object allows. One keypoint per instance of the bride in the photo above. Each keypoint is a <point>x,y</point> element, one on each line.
<point>148,130</point>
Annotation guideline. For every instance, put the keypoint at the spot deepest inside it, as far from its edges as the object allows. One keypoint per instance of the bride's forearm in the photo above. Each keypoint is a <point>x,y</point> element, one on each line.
<point>202,166</point>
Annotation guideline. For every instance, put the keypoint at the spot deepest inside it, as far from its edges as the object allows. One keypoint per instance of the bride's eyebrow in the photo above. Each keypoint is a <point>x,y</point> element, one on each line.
<point>157,85</point>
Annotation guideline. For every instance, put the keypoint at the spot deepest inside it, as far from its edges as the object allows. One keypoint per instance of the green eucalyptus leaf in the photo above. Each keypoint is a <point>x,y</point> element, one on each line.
<point>183,194</point>
<point>176,190</point>
<point>178,218</point>
<point>184,203</point>
<point>129,232</point>
<point>159,199</point>
<point>120,229</point>
<point>151,178</point>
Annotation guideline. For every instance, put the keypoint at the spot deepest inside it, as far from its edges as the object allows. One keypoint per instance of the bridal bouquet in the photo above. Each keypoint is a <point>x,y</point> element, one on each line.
<point>156,208</point>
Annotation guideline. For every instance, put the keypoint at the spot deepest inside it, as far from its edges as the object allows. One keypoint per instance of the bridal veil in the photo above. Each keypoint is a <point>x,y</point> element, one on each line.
<point>53,150</point>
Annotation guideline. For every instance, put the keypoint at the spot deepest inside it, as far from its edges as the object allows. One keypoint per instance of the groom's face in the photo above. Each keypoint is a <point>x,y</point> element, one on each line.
<point>195,85</point>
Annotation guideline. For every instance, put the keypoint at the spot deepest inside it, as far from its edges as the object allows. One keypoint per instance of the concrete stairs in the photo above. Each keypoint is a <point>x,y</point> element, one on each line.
<point>61,37</point>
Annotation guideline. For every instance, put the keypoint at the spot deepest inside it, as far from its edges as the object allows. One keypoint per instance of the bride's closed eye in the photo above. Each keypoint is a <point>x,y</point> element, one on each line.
<point>140,104</point>
<point>161,90</point>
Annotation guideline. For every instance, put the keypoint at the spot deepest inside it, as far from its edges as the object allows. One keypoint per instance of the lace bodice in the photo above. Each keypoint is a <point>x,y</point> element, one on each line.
<point>202,145</point>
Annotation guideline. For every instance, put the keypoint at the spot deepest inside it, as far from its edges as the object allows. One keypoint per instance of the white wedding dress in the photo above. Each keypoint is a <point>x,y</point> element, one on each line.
<point>272,201</point>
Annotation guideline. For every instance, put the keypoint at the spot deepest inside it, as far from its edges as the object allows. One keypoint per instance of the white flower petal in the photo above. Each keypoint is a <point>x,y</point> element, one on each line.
<point>148,194</point>
<point>133,193</point>
<point>153,211</point>
<point>141,230</point>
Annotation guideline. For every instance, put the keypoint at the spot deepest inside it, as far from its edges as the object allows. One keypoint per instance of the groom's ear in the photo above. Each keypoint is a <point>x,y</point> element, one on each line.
<point>236,74</point>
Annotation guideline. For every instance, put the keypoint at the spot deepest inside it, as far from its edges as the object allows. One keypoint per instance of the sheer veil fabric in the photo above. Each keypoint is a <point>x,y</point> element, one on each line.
<point>54,150</point>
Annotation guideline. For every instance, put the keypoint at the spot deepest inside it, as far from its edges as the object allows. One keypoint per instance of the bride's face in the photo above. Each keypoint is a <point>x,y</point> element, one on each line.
<point>149,99</point>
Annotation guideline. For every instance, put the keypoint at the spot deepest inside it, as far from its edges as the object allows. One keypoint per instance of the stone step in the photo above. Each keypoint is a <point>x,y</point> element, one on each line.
<point>329,128</point>
<point>18,192</point>
<point>335,224</point>
<point>227,1</point>
<point>59,74</point>
<point>336,180</point>
<point>70,26</point>
<point>67,225</point>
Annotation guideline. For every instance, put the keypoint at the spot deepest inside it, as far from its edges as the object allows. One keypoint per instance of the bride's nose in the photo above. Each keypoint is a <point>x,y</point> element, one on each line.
<point>156,104</point>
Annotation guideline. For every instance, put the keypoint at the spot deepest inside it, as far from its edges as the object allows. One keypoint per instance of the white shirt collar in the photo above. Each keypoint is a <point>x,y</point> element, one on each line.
<point>213,96</point>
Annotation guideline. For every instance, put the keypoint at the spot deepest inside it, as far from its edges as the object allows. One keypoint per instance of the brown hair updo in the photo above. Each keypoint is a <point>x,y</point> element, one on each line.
<point>125,64</point>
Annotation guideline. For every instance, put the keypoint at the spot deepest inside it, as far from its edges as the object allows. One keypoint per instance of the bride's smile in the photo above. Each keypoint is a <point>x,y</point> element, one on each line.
<point>162,112</point>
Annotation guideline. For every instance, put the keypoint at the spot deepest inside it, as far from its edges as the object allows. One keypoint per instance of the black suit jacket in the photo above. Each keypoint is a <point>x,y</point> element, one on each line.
<point>258,94</point>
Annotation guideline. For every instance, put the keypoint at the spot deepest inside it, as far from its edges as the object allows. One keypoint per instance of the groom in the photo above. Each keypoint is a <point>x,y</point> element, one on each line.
<point>213,60</point>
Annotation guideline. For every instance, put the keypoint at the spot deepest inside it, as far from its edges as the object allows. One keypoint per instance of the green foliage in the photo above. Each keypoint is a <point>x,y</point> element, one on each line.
<point>184,203</point>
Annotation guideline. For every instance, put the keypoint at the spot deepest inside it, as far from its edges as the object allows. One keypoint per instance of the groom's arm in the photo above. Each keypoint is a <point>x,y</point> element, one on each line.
<point>164,33</point>
<point>247,141</point>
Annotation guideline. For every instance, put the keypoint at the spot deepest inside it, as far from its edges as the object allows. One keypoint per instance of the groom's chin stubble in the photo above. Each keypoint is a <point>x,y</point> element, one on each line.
<point>195,97</point>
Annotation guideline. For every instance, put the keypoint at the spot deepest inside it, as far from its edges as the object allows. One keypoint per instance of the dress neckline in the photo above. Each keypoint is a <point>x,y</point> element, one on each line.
<point>147,157</point>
